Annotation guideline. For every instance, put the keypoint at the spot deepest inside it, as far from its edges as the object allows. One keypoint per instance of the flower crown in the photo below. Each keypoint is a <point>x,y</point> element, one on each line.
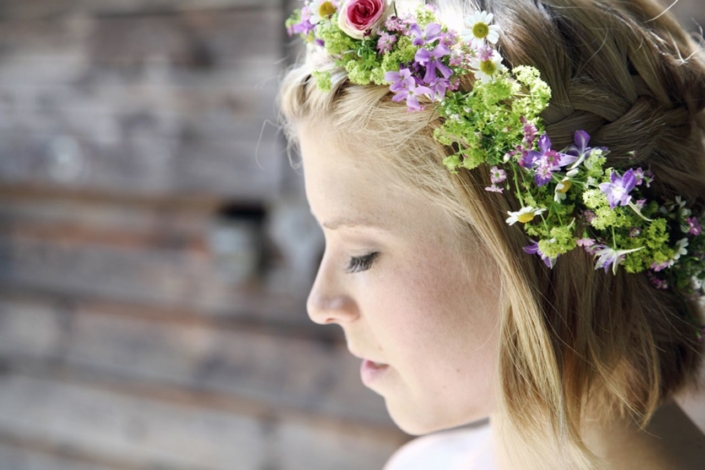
<point>568,198</point>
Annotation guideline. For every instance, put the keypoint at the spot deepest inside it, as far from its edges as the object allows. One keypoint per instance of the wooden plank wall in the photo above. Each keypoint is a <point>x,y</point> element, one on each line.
<point>131,131</point>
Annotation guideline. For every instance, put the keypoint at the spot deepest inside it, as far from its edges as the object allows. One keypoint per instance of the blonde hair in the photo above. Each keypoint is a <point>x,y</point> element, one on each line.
<point>575,342</point>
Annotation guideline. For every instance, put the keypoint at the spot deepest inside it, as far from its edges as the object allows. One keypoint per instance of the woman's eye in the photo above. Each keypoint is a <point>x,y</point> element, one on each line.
<point>361,263</point>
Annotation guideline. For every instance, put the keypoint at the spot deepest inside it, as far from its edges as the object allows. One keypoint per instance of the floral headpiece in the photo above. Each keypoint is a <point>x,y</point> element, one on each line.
<point>568,198</point>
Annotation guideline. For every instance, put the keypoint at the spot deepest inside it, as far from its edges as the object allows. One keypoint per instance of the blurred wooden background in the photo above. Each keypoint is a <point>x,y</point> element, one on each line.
<point>138,178</point>
<point>156,249</point>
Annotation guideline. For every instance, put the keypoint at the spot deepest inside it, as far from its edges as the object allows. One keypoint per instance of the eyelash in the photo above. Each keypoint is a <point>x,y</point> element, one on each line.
<point>361,263</point>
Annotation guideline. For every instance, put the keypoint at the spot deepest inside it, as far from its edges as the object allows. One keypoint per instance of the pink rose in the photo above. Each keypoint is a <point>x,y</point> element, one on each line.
<point>357,17</point>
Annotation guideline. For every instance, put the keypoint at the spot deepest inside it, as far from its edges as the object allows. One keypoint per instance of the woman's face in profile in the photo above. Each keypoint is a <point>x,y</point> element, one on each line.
<point>392,278</point>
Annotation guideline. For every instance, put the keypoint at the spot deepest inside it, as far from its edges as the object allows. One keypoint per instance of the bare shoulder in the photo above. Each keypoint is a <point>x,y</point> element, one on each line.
<point>441,450</point>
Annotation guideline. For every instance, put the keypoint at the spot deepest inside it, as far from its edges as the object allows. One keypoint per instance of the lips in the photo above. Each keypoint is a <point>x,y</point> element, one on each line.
<point>370,373</point>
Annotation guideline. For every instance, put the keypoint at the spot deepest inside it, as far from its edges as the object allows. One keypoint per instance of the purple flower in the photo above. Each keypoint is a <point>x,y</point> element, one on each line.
<point>589,215</point>
<point>580,148</point>
<point>607,256</point>
<point>619,187</point>
<point>400,80</point>
<point>432,61</point>
<point>385,42</point>
<point>494,188</point>
<point>586,243</point>
<point>456,58</point>
<point>661,266</point>
<point>304,26</point>
<point>438,86</point>
<point>449,39</point>
<point>530,132</point>
<point>656,282</point>
<point>693,226</point>
<point>534,249</point>
<point>429,34</point>
<point>394,23</point>
<point>497,175</point>
<point>546,161</point>
<point>405,88</point>
<point>634,232</point>
<point>639,175</point>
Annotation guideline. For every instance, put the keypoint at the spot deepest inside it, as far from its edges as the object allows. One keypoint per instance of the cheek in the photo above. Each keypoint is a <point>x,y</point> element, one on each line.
<point>432,316</point>
<point>439,330</point>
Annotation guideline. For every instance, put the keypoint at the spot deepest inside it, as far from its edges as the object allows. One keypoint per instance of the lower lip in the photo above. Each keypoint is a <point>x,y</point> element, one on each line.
<point>371,372</point>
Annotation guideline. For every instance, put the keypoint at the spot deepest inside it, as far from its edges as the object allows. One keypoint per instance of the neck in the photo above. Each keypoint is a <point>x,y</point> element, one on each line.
<point>671,441</point>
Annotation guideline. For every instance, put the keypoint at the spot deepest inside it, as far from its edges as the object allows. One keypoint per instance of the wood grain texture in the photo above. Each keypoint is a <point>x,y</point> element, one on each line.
<point>278,371</point>
<point>152,433</point>
<point>152,104</point>
<point>154,253</point>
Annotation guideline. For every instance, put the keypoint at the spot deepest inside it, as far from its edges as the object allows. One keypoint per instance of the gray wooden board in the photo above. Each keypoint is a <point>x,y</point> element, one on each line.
<point>133,250</point>
<point>165,435</point>
<point>275,370</point>
<point>152,104</point>
<point>22,458</point>
<point>177,277</point>
<point>12,10</point>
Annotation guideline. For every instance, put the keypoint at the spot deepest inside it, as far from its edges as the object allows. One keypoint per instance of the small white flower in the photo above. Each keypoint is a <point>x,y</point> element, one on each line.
<point>321,9</point>
<point>681,248</point>
<point>524,215</point>
<point>488,67</point>
<point>480,29</point>
<point>561,189</point>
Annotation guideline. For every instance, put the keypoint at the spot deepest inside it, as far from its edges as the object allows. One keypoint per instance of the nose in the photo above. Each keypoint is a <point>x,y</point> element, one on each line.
<point>328,302</point>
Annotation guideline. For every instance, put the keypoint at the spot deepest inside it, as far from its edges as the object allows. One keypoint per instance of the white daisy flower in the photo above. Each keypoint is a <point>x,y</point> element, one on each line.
<point>480,29</point>
<point>524,215</point>
<point>487,65</point>
<point>561,189</point>
<point>321,9</point>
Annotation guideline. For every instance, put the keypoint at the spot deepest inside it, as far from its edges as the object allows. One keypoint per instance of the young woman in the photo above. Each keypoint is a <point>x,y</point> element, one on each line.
<point>474,166</point>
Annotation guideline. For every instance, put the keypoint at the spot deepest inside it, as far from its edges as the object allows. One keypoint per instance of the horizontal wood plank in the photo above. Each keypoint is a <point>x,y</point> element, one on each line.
<point>20,454</point>
<point>276,370</point>
<point>160,104</point>
<point>41,9</point>
<point>161,434</point>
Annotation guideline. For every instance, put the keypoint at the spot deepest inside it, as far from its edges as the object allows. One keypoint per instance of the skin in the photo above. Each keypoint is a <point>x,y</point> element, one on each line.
<point>415,308</point>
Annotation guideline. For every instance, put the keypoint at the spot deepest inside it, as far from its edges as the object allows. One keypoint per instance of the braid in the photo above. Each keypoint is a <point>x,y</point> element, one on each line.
<point>631,88</point>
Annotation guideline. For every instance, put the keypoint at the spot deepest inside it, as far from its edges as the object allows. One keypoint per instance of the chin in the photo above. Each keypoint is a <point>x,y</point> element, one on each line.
<point>419,424</point>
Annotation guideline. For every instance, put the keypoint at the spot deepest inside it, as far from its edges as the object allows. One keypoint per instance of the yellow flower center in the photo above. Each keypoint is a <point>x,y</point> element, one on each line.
<point>525,217</point>
<point>564,186</point>
<point>488,67</point>
<point>326,9</point>
<point>480,30</point>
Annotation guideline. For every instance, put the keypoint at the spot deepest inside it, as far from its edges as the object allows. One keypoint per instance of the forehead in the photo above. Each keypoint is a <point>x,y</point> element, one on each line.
<point>343,182</point>
<point>347,184</point>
